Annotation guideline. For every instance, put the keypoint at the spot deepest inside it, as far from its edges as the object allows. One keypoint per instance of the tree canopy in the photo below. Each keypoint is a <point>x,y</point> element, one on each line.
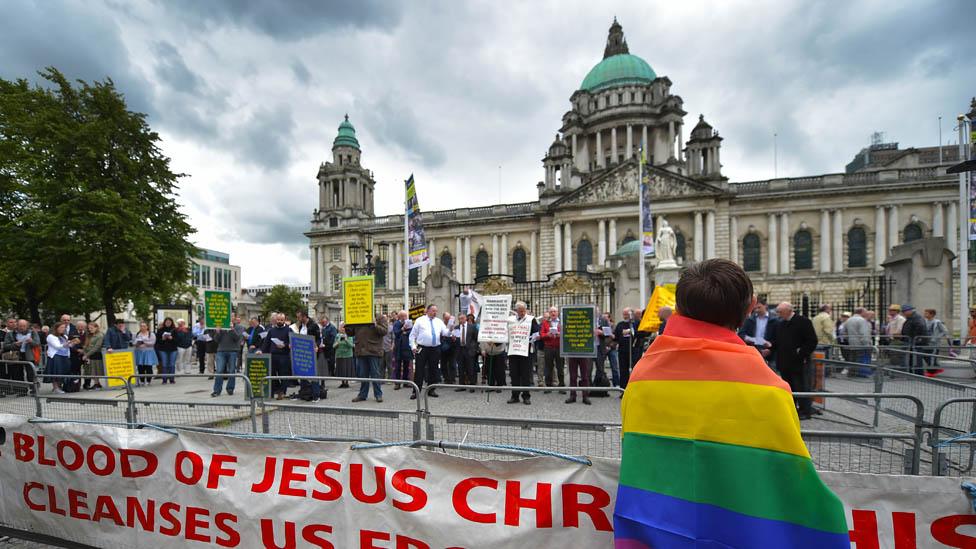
<point>89,217</point>
<point>282,299</point>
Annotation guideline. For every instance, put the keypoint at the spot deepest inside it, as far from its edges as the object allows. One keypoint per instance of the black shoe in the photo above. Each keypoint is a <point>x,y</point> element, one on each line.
<point>214,394</point>
<point>546,392</point>
<point>413,396</point>
<point>513,400</point>
<point>805,415</point>
<point>570,400</point>
<point>587,401</point>
<point>470,390</point>
<point>459,390</point>
<point>433,394</point>
<point>230,393</point>
<point>527,402</point>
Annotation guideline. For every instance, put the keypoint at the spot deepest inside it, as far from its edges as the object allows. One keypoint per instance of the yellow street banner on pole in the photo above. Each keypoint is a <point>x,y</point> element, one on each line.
<point>119,364</point>
<point>357,299</point>
<point>662,296</point>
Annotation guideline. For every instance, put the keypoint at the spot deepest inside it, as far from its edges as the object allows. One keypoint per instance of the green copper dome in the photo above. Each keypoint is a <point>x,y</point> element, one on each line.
<point>616,70</point>
<point>346,136</point>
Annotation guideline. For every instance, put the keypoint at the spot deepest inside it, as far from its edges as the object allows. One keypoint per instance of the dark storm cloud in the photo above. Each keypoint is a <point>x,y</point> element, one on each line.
<point>301,72</point>
<point>291,20</point>
<point>172,70</point>
<point>391,123</point>
<point>78,40</point>
<point>265,138</point>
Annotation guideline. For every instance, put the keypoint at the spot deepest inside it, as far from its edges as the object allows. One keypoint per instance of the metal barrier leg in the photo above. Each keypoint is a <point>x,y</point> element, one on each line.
<point>265,420</point>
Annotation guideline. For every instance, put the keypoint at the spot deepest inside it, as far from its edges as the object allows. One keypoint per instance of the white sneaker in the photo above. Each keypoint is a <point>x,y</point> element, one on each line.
<point>843,372</point>
<point>58,392</point>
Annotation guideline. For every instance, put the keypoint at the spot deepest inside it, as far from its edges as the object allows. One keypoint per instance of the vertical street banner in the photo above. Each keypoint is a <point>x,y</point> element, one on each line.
<point>417,241</point>
<point>647,221</point>
<point>216,309</point>
<point>578,338</point>
<point>119,364</point>
<point>495,310</point>
<point>357,300</point>
<point>972,206</point>
<point>302,348</point>
<point>257,367</point>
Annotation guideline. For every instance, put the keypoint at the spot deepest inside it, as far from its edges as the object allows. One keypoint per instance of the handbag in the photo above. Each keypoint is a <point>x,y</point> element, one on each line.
<point>10,356</point>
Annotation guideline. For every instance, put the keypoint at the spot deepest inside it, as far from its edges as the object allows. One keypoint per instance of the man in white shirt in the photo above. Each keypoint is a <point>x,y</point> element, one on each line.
<point>425,340</point>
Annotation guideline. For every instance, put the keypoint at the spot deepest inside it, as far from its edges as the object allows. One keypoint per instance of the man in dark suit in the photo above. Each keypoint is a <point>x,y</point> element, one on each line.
<point>626,335</point>
<point>467,351</point>
<point>759,328</point>
<point>794,341</point>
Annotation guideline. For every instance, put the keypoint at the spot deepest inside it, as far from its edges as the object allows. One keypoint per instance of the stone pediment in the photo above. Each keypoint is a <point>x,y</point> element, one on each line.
<point>620,185</point>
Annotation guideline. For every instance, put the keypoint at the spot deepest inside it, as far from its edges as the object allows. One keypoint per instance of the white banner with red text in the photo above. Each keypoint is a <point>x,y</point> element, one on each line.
<point>113,487</point>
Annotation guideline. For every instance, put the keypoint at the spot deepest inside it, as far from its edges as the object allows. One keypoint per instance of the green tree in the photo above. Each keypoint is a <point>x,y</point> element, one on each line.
<point>282,299</point>
<point>92,212</point>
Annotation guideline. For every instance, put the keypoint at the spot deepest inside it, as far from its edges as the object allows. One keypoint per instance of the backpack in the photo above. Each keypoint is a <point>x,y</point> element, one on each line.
<point>71,385</point>
<point>600,380</point>
<point>305,393</point>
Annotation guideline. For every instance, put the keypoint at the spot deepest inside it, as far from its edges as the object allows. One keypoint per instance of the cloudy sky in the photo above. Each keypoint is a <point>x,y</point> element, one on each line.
<point>247,94</point>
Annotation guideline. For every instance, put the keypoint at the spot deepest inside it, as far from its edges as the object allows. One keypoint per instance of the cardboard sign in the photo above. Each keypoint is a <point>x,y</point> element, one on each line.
<point>119,364</point>
<point>663,296</point>
<point>216,309</point>
<point>578,336</point>
<point>257,367</point>
<point>417,311</point>
<point>519,334</point>
<point>357,300</point>
<point>303,349</point>
<point>495,311</point>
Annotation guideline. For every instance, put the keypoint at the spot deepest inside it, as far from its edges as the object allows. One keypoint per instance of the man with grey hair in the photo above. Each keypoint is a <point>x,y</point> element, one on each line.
<point>795,341</point>
<point>519,365</point>
<point>549,332</point>
<point>857,331</point>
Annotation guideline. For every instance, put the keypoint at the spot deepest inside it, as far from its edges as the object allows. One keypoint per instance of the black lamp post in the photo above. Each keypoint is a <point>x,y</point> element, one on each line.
<point>367,248</point>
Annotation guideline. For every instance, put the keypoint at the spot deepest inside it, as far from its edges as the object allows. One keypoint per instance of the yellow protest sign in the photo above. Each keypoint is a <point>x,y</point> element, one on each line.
<point>120,364</point>
<point>663,296</point>
<point>357,299</point>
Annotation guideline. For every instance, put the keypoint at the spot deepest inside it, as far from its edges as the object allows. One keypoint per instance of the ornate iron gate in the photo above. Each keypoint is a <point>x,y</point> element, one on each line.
<point>563,288</point>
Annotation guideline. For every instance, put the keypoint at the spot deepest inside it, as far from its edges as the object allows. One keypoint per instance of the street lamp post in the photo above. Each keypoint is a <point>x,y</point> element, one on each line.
<point>366,246</point>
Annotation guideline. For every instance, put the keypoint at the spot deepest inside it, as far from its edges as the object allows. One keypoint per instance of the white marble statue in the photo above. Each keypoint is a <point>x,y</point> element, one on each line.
<point>666,245</point>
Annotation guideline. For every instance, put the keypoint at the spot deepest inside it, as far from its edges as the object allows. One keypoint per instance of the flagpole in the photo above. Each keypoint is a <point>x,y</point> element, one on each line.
<point>640,225</point>
<point>406,254</point>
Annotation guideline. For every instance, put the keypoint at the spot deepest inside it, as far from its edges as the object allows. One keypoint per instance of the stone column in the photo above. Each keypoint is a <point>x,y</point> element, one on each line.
<point>533,257</point>
<point>612,248</point>
<point>699,237</point>
<point>825,241</point>
<point>573,151</point>
<point>314,260</point>
<point>880,239</point>
<point>734,238</point>
<point>646,143</point>
<point>893,227</point>
<point>504,251</point>
<point>681,137</point>
<point>837,247</point>
<point>630,142</point>
<point>557,243</point>
<point>718,159</point>
<point>784,243</point>
<point>600,157</point>
<point>613,145</point>
<point>671,139</point>
<point>952,228</point>
<point>495,264</point>
<point>771,240</point>
<point>938,223</point>
<point>568,247</point>
<point>601,243</point>
<point>709,234</point>
<point>458,254</point>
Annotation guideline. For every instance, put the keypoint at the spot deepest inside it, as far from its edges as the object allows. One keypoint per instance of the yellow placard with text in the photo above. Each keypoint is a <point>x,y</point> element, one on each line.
<point>119,364</point>
<point>663,296</point>
<point>357,300</point>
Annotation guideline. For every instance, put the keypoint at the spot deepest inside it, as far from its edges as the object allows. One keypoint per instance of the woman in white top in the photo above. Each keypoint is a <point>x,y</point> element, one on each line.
<point>58,356</point>
<point>145,355</point>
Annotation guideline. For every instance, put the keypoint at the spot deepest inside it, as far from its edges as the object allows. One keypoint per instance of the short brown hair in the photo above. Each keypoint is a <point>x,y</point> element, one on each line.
<point>716,291</point>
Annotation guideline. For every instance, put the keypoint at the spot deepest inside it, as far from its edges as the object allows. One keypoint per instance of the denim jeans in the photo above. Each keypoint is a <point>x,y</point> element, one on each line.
<point>226,364</point>
<point>614,367</point>
<point>167,365</point>
<point>368,366</point>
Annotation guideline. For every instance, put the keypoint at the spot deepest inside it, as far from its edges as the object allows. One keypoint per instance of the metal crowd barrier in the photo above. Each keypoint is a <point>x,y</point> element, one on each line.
<point>214,414</point>
<point>954,445</point>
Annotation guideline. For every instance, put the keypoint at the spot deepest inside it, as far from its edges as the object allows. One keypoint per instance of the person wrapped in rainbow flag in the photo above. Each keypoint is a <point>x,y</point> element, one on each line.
<point>712,453</point>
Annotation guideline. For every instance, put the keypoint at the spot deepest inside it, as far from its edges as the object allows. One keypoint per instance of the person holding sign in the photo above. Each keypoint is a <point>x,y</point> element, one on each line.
<point>369,352</point>
<point>522,332</point>
<point>276,343</point>
<point>425,342</point>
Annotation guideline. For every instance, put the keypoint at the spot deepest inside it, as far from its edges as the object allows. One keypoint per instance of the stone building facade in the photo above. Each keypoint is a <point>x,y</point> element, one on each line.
<point>811,239</point>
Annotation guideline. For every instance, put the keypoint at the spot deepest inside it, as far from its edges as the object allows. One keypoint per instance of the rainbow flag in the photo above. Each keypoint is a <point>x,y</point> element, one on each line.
<point>712,454</point>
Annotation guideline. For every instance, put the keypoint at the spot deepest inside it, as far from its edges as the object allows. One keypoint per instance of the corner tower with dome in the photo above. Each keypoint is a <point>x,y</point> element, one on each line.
<point>345,187</point>
<point>621,104</point>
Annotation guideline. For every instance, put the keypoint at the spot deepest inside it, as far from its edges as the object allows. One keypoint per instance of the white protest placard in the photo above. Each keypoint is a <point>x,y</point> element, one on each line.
<point>495,310</point>
<point>118,488</point>
<point>518,335</point>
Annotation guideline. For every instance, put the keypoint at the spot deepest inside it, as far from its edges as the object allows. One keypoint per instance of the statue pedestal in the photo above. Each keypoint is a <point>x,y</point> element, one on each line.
<point>666,272</point>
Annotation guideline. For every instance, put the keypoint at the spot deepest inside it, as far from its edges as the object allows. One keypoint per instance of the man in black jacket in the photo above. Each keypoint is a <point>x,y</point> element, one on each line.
<point>913,332</point>
<point>467,351</point>
<point>794,341</point>
<point>629,352</point>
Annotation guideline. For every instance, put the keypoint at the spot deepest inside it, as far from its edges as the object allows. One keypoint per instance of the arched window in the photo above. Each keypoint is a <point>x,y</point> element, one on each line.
<point>913,231</point>
<point>751,252</point>
<point>857,247</point>
<point>447,260</point>
<point>415,277</point>
<point>802,250</point>
<point>481,264</point>
<point>584,255</point>
<point>679,247</point>
<point>518,265</point>
<point>379,271</point>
